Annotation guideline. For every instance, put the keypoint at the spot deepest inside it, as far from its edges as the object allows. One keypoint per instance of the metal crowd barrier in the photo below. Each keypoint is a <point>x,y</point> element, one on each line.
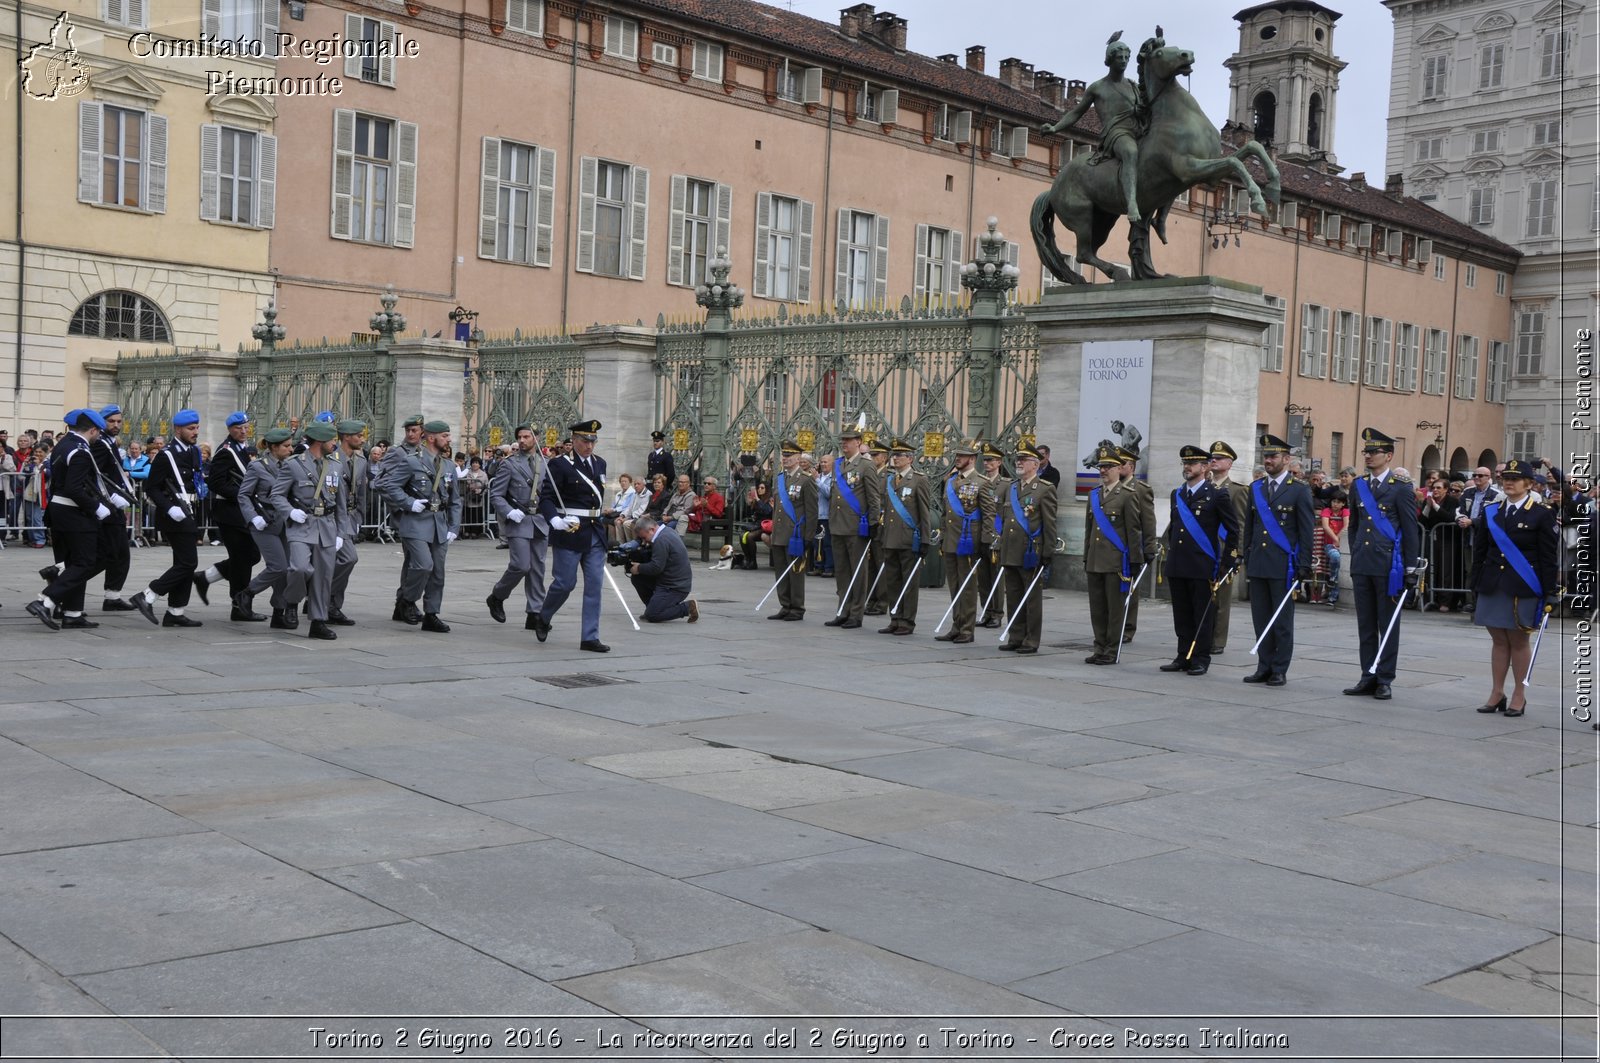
<point>1448,551</point>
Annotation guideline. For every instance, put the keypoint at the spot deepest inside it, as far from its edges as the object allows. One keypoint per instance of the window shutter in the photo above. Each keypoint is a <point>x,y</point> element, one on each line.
<point>679,199</point>
<point>488,197</point>
<point>211,18</point>
<point>811,85</point>
<point>889,106</point>
<point>724,239</point>
<point>919,289</point>
<point>266,180</point>
<point>386,37</point>
<point>1424,251</point>
<point>89,116</point>
<point>1013,254</point>
<point>210,171</point>
<point>841,279</point>
<point>136,14</point>
<point>1394,243</point>
<point>405,196</point>
<point>344,172</point>
<point>639,223</point>
<point>1288,215</point>
<point>952,272</point>
<point>545,221</point>
<point>880,262</point>
<point>155,163</point>
<point>352,32</point>
<point>759,283</point>
<point>802,284</point>
<point>588,180</point>
<point>269,30</point>
<point>1019,142</point>
<point>113,11</point>
<point>961,130</point>
<point>1364,235</point>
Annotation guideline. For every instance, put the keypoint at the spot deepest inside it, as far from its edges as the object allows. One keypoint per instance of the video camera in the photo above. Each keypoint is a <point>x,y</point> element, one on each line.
<point>626,554</point>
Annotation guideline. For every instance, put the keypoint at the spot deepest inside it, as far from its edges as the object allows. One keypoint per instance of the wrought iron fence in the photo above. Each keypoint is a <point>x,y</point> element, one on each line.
<point>283,384</point>
<point>150,389</point>
<point>534,380</point>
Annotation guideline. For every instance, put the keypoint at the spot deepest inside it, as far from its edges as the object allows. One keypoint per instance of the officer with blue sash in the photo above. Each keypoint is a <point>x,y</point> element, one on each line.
<point>990,581</point>
<point>1276,538</point>
<point>1516,575</point>
<point>794,525</point>
<point>1201,542</point>
<point>907,532</point>
<point>571,502</point>
<point>1383,559</point>
<point>1129,472</point>
<point>1027,545</point>
<point>1113,550</point>
<point>855,507</point>
<point>880,597</point>
<point>961,542</point>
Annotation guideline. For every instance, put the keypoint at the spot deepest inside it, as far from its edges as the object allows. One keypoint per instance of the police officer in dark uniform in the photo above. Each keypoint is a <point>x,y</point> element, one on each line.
<point>114,547</point>
<point>77,507</point>
<point>794,525</point>
<point>571,502</point>
<point>1200,541</point>
<point>224,476</point>
<point>1277,543</point>
<point>659,460</point>
<point>1383,558</point>
<point>170,488</point>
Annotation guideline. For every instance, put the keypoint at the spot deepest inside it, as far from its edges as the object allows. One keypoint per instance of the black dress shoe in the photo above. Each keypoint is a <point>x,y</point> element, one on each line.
<point>117,605</point>
<point>890,630</point>
<point>1381,692</point>
<point>793,616</point>
<point>406,612</point>
<point>961,640</point>
<point>497,609</point>
<point>245,616</point>
<point>321,630</point>
<point>338,618</point>
<point>1499,706</point>
<point>1106,658</point>
<point>1277,679</point>
<point>78,622</point>
<point>782,614</point>
<point>1127,638</point>
<point>531,623</point>
<point>148,611</point>
<point>876,610</point>
<point>837,621</point>
<point>291,617</point>
<point>993,621</point>
<point>1023,649</point>
<point>948,636</point>
<point>1179,665</point>
<point>594,646</point>
<point>202,587</point>
<point>179,620</point>
<point>848,624</point>
<point>1366,686</point>
<point>541,626</point>
<point>431,622</point>
<point>277,621</point>
<point>1197,669</point>
<point>1010,647</point>
<point>36,607</point>
<point>48,573</point>
<point>1093,658</point>
<point>1259,677</point>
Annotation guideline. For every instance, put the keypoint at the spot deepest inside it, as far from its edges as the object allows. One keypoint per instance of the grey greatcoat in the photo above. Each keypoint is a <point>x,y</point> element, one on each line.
<point>255,500</point>
<point>515,489</point>
<point>422,488</point>
<point>356,482</point>
<point>314,488</point>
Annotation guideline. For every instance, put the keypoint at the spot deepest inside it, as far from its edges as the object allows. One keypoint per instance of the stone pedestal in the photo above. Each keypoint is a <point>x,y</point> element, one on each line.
<point>1207,334</point>
<point>619,391</point>
<point>213,392</point>
<point>428,377</point>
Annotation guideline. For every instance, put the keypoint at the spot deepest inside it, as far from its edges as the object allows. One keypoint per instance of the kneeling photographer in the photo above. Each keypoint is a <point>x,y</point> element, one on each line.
<point>658,564</point>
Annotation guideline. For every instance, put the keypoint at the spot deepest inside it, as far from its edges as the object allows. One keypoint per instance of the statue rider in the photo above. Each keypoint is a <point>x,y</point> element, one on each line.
<point>1123,119</point>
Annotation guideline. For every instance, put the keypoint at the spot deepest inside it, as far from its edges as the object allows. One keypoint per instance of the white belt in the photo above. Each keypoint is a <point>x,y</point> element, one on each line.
<point>186,498</point>
<point>581,513</point>
<point>63,501</point>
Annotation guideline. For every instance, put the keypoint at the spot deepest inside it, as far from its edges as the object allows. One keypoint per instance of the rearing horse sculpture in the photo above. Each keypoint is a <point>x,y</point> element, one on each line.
<point>1181,149</point>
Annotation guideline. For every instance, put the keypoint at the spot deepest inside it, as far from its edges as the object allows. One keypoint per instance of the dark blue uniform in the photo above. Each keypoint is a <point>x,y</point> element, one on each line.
<point>223,477</point>
<point>114,547</point>
<point>173,476</point>
<point>1270,569</point>
<point>1504,597</point>
<point>1377,564</point>
<point>1190,570</point>
<point>574,488</point>
<point>75,496</point>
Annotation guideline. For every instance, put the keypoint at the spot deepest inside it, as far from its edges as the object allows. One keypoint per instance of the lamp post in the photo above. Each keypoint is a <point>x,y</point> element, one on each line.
<point>466,326</point>
<point>1306,427</point>
<point>1438,440</point>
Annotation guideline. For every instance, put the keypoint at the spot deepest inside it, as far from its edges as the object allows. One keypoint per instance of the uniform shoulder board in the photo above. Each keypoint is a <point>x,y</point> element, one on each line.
<point>1290,479</point>
<point>1400,478</point>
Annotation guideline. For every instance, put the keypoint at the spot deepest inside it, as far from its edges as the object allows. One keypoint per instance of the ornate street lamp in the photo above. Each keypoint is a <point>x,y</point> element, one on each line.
<point>989,271</point>
<point>387,323</point>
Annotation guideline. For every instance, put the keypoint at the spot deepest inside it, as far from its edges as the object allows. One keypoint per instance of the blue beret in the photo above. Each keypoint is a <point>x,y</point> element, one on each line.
<point>237,417</point>
<point>326,417</point>
<point>184,418</point>
<point>110,411</point>
<point>74,416</point>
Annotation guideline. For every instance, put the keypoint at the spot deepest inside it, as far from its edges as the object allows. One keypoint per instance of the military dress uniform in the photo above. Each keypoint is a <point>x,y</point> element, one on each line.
<point>405,611</point>
<point>855,506</point>
<point>266,530</point>
<point>114,547</point>
<point>1108,566</point>
<point>224,474</point>
<point>1240,495</point>
<point>311,490</point>
<point>879,593</point>
<point>659,460</point>
<point>1269,566</point>
<point>356,482</point>
<point>424,488</point>
<point>794,525</point>
<point>1383,563</point>
<point>571,502</point>
<point>961,543</point>
<point>170,487</point>
<point>77,508</point>
<point>907,532</point>
<point>1201,540</point>
<point>1505,597</point>
<point>514,494</point>
<point>1147,520</point>
<point>990,577</point>
<point>1027,544</point>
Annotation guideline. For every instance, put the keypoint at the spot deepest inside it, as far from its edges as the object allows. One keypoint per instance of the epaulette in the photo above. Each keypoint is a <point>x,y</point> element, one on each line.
<point>1400,478</point>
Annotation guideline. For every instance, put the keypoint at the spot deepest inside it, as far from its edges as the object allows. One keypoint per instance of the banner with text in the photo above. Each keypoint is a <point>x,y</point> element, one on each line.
<point>1113,403</point>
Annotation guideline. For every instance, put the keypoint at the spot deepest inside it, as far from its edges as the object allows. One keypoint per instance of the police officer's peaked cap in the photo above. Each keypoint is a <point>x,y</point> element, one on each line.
<point>1271,444</point>
<point>1372,439</point>
<point>590,427</point>
<point>1190,453</point>
<point>1518,469</point>
<point>658,434</point>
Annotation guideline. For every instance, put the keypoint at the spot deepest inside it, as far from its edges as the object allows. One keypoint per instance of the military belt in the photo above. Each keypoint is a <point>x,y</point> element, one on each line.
<point>581,513</point>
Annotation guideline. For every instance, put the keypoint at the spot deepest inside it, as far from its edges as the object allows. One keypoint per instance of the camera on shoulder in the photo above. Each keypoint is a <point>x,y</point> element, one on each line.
<point>626,554</point>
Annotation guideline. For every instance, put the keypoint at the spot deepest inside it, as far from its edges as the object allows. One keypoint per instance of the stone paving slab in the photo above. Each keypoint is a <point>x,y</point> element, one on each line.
<point>467,770</point>
<point>49,805</point>
<point>996,778</point>
<point>1562,901</point>
<point>1030,846</point>
<point>792,738</point>
<point>1488,829</point>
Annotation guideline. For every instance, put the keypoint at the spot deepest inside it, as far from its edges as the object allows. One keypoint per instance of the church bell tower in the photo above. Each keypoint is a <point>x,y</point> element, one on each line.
<point>1285,79</point>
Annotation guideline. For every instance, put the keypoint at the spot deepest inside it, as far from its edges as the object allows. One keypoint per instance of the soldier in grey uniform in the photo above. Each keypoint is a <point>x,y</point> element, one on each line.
<point>794,525</point>
<point>907,532</point>
<point>422,486</point>
<point>266,528</point>
<point>406,611</point>
<point>960,540</point>
<point>356,482</point>
<point>991,578</point>
<point>1222,459</point>
<point>514,494</point>
<point>311,490</point>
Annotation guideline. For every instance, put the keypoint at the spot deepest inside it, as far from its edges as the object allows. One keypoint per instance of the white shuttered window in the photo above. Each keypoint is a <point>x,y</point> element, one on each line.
<point>238,176</point>
<point>861,274</point>
<point>783,248</point>
<point>613,218</point>
<point>516,202</point>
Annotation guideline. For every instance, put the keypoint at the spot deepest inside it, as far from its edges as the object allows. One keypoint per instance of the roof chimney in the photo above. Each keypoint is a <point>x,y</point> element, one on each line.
<point>1017,74</point>
<point>890,28</point>
<point>975,58</point>
<point>950,57</point>
<point>853,21</point>
<point>1359,179</point>
<point>1395,184</point>
<point>1075,91</point>
<point>1051,89</point>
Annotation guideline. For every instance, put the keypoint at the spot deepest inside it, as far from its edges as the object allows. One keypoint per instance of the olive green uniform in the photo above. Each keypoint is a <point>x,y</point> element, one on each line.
<point>994,491</point>
<point>1019,544</point>
<point>968,486</point>
<point>903,543</point>
<point>849,547</point>
<point>1239,494</point>
<point>801,491</point>
<point>1103,563</point>
<point>1147,520</point>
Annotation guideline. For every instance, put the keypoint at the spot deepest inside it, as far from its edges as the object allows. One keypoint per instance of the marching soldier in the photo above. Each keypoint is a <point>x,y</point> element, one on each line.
<point>170,488</point>
<point>118,492</point>
<point>1147,519</point>
<point>571,502</point>
<point>266,529</point>
<point>1113,546</point>
<point>312,491</point>
<point>855,505</point>
<point>514,494</point>
<point>990,578</point>
<point>223,476</point>
<point>907,531</point>
<point>422,486</point>
<point>406,611</point>
<point>355,482</point>
<point>1201,541</point>
<point>878,584</point>
<point>960,540</point>
<point>1277,543</point>
<point>77,508</point>
<point>1027,544</point>
<point>1222,459</point>
<point>794,525</point>
<point>1383,559</point>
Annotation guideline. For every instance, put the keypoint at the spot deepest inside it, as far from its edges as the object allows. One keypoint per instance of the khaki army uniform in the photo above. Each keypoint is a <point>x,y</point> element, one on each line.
<point>1103,563</point>
<point>902,544</point>
<point>967,486</point>
<point>1239,494</point>
<point>849,546</point>
<point>1020,544</point>
<point>882,597</point>
<point>801,491</point>
<point>994,491</point>
<point>1147,520</point>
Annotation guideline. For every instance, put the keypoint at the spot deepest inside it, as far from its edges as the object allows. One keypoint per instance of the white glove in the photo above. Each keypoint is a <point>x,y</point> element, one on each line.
<point>176,513</point>
<point>101,512</point>
<point>119,502</point>
<point>297,515</point>
<point>338,542</point>
<point>260,523</point>
<point>449,537</point>
<point>418,505</point>
<point>564,523</point>
<point>515,516</point>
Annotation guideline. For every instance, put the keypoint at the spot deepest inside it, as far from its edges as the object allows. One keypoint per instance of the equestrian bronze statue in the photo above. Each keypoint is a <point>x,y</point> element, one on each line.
<point>1157,144</point>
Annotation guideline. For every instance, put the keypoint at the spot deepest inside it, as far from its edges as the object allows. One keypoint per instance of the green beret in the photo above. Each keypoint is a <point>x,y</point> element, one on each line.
<point>350,427</point>
<point>436,426</point>
<point>319,431</point>
<point>414,421</point>
<point>275,436</point>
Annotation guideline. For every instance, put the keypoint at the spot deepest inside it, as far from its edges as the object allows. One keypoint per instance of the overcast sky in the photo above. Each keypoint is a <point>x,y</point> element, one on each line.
<point>1035,32</point>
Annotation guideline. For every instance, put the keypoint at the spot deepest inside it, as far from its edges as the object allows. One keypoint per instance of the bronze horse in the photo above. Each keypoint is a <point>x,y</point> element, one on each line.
<point>1182,149</point>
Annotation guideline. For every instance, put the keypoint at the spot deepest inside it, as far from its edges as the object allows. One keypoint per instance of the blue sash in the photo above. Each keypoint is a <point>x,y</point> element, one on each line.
<point>1269,521</point>
<point>1192,525</point>
<point>894,499</point>
<point>1397,574</point>
<point>797,541</point>
<point>1509,550</point>
<point>964,548</point>
<point>849,497</point>
<point>1030,556</point>
<point>1108,530</point>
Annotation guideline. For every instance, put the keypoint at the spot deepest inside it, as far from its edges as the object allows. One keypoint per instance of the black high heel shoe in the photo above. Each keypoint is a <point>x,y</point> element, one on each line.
<point>1514,712</point>
<point>1499,706</point>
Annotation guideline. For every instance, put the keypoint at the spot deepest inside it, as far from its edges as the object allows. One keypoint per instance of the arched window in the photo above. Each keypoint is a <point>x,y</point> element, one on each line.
<point>1265,106</point>
<point>1314,121</point>
<point>119,315</point>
